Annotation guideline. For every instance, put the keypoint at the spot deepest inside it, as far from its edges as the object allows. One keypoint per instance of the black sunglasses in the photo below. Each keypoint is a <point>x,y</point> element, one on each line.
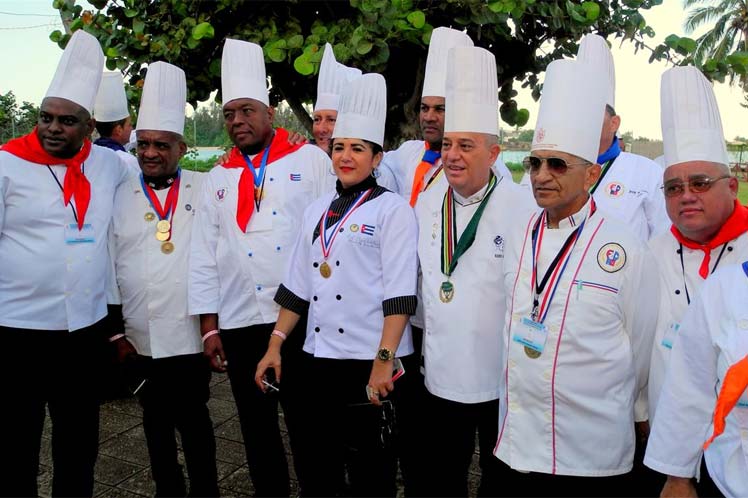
<point>556,165</point>
<point>696,184</point>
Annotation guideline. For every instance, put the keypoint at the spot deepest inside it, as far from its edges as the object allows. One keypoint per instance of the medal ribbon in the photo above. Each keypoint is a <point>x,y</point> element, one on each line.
<point>557,267</point>
<point>170,204</point>
<point>606,168</point>
<point>450,252</point>
<point>259,176</point>
<point>427,161</point>
<point>327,241</point>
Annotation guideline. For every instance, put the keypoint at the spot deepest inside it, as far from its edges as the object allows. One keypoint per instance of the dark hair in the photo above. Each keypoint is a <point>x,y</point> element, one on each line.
<point>609,109</point>
<point>105,128</point>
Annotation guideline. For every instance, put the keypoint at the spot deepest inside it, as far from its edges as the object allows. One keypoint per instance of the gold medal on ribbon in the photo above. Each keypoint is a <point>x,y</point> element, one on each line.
<point>167,247</point>
<point>259,193</point>
<point>325,270</point>
<point>163,226</point>
<point>162,236</point>
<point>149,216</point>
<point>532,353</point>
<point>446,291</point>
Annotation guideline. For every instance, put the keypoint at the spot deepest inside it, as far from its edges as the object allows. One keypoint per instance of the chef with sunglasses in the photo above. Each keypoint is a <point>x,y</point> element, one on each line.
<point>709,224</point>
<point>583,304</point>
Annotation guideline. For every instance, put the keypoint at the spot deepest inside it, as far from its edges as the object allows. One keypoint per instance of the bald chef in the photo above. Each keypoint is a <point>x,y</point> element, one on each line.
<point>149,243</point>
<point>56,196</point>
<point>584,295</point>
<point>250,213</point>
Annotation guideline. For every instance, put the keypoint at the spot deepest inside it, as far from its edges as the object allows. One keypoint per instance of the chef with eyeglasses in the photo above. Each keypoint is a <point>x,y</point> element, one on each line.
<point>582,308</point>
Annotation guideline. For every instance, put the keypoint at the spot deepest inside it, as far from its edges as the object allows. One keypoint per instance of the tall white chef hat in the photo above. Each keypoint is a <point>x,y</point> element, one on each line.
<point>333,77</point>
<point>437,67</point>
<point>567,123</point>
<point>594,50</point>
<point>78,73</point>
<point>472,91</point>
<point>243,72</point>
<point>163,100</point>
<point>363,109</point>
<point>691,124</point>
<point>111,101</point>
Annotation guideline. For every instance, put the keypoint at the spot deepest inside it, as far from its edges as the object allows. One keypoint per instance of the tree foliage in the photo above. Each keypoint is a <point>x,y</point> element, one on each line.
<point>386,36</point>
<point>15,119</point>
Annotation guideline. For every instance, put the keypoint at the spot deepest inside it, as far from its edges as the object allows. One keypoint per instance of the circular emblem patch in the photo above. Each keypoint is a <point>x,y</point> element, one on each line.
<point>611,257</point>
<point>221,194</point>
<point>354,228</point>
<point>615,189</point>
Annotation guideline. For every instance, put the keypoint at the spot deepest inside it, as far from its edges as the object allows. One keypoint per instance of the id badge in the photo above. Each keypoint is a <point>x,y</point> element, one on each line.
<point>670,335</point>
<point>531,334</point>
<point>83,236</point>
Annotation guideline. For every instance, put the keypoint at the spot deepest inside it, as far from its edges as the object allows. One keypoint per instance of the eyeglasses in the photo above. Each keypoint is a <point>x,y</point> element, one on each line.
<point>696,184</point>
<point>556,165</point>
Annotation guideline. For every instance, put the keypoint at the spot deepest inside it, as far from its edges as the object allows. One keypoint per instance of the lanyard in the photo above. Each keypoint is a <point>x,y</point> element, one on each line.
<point>606,168</point>
<point>451,252</point>
<point>557,267</point>
<point>683,267</point>
<point>259,176</point>
<point>83,171</point>
<point>325,240</point>
<point>170,204</point>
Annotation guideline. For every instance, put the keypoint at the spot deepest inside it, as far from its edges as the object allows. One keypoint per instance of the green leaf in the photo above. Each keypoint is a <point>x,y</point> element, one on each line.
<point>55,35</point>
<point>687,44</point>
<point>521,118</point>
<point>302,65</point>
<point>672,41</point>
<point>739,58</point>
<point>591,11</point>
<point>131,12</point>
<point>203,30</point>
<point>496,6</point>
<point>572,10</point>
<point>138,26</point>
<point>364,47</point>
<point>192,43</point>
<point>276,54</point>
<point>111,64</point>
<point>112,52</point>
<point>296,41</point>
<point>417,18</point>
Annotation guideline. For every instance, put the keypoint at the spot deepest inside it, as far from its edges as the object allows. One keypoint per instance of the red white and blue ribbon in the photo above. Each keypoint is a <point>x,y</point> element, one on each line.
<point>325,240</point>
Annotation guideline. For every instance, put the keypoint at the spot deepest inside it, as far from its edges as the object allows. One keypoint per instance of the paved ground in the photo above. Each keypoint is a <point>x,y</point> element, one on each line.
<point>122,469</point>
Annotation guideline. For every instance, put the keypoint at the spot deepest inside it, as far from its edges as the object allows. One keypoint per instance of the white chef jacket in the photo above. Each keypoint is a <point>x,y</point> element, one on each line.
<point>398,168</point>
<point>46,283</point>
<point>153,285</point>
<point>236,274</point>
<point>713,336</point>
<point>674,280</point>
<point>462,339</point>
<point>130,160</point>
<point>631,191</point>
<point>373,259</point>
<point>571,411</point>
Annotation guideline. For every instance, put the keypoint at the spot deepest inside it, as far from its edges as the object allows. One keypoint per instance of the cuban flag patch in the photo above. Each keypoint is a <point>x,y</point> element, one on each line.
<point>295,177</point>
<point>367,229</point>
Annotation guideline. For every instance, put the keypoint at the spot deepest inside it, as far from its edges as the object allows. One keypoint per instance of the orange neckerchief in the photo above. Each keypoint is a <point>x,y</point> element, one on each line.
<point>76,184</point>
<point>734,385</point>
<point>736,225</point>
<point>427,161</point>
<point>279,148</point>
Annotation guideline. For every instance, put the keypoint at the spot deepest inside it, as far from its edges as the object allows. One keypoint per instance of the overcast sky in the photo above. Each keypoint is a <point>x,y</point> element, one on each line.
<point>29,60</point>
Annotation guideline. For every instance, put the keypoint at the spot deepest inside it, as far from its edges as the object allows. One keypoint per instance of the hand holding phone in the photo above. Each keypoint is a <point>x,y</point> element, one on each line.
<point>268,380</point>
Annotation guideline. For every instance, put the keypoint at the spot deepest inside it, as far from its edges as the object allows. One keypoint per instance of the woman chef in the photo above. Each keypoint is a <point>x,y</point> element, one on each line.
<point>354,267</point>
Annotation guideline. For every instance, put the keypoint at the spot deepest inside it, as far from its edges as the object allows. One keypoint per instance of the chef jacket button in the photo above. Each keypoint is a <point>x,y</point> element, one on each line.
<point>512,363</point>
<point>341,330</point>
<point>271,178</point>
<point>275,212</point>
<point>249,254</point>
<point>316,329</point>
<point>338,297</point>
<point>314,298</point>
<point>259,287</point>
<point>547,375</point>
<point>277,248</point>
<point>337,263</point>
<point>548,416</point>
<point>729,248</point>
<point>513,407</point>
<point>677,291</point>
<point>678,251</point>
<point>315,264</point>
<point>341,230</point>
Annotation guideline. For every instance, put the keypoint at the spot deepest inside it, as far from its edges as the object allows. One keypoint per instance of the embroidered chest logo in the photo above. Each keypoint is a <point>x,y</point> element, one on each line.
<point>221,194</point>
<point>611,257</point>
<point>615,189</point>
<point>294,177</point>
<point>368,229</point>
<point>498,241</point>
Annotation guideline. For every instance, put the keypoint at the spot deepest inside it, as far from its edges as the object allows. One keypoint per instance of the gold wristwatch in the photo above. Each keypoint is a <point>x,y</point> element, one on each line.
<point>385,354</point>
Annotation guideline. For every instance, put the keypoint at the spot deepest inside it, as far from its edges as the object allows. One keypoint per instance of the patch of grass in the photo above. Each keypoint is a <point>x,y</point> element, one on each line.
<point>743,193</point>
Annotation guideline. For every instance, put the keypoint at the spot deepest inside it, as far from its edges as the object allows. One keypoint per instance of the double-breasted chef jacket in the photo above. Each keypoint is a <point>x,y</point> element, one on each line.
<point>570,411</point>
<point>153,285</point>
<point>713,336</point>
<point>679,284</point>
<point>374,267</point>
<point>236,274</point>
<point>463,337</point>
<point>48,281</point>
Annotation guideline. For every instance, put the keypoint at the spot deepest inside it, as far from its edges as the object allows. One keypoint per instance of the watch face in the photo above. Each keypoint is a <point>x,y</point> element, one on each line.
<point>385,354</point>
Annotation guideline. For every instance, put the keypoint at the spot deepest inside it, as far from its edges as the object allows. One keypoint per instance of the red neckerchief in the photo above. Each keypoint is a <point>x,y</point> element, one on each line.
<point>735,226</point>
<point>76,184</point>
<point>279,148</point>
<point>733,386</point>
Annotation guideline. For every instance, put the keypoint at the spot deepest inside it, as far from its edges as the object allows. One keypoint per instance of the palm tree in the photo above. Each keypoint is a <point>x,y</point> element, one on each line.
<point>729,31</point>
